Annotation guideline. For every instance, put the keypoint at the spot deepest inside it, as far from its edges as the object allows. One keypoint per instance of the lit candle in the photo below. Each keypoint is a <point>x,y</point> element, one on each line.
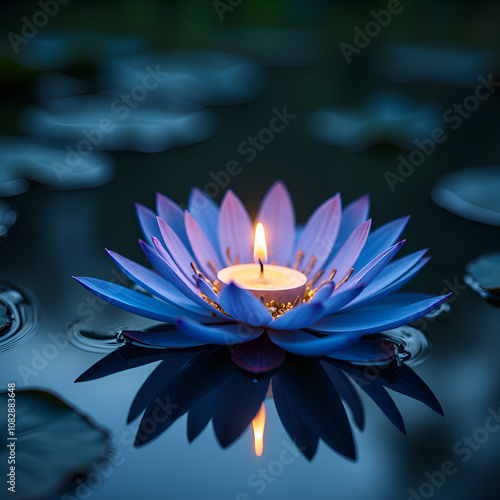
<point>271,282</point>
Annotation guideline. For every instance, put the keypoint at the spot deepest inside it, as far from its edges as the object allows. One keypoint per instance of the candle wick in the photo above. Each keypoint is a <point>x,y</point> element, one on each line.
<point>261,268</point>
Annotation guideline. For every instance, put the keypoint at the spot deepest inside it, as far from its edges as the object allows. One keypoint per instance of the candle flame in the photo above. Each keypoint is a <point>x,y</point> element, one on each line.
<point>260,247</point>
<point>258,424</point>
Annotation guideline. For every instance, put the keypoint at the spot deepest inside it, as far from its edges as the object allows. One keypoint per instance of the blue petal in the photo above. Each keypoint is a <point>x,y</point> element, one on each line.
<point>207,290</point>
<point>131,300</point>
<point>349,252</point>
<point>176,248</point>
<point>173,215</point>
<point>367,351</point>
<point>354,214</point>
<point>382,399</point>
<point>243,306</point>
<point>218,334</point>
<point>341,298</point>
<point>346,392</point>
<point>235,230</point>
<point>148,223</point>
<point>319,234</point>
<point>387,283</point>
<point>305,344</point>
<point>277,214</point>
<point>318,403</point>
<point>167,268</point>
<point>202,247</point>
<point>299,317</point>
<point>305,439</point>
<point>381,238</point>
<point>154,283</point>
<point>237,402</point>
<point>377,320</point>
<point>200,414</point>
<point>374,268</point>
<point>168,340</point>
<point>205,212</point>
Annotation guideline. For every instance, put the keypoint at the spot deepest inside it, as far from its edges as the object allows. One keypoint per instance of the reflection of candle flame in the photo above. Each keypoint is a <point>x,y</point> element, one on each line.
<point>260,247</point>
<point>258,424</point>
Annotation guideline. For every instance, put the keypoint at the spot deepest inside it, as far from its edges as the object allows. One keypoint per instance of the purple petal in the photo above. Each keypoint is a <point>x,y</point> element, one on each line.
<point>396,285</point>
<point>167,340</point>
<point>218,334</point>
<point>235,229</point>
<point>202,247</point>
<point>324,293</point>
<point>381,238</point>
<point>148,222</point>
<point>392,277</point>
<point>367,351</point>
<point>177,250</point>
<point>395,300</point>
<point>299,317</point>
<point>243,306</point>
<point>319,234</point>
<point>207,290</point>
<point>341,298</point>
<point>173,215</point>
<point>154,283</point>
<point>354,214</point>
<point>131,301</point>
<point>258,356</point>
<point>205,212</point>
<point>277,214</point>
<point>377,320</point>
<point>166,267</point>
<point>305,344</point>
<point>374,268</point>
<point>344,259</point>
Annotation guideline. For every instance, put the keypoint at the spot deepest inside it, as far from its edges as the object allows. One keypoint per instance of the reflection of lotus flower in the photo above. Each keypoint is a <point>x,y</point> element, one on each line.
<point>231,398</point>
<point>330,320</point>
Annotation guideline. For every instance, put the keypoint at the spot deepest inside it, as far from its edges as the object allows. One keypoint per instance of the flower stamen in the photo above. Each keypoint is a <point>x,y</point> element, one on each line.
<point>345,279</point>
<point>299,258</point>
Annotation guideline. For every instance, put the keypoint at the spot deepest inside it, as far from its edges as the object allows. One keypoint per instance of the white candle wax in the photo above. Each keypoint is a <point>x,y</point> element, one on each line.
<point>278,283</point>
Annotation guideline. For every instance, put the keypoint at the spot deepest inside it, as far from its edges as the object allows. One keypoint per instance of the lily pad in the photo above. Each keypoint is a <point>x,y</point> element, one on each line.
<point>472,193</point>
<point>385,118</point>
<point>103,121</point>
<point>485,270</point>
<point>55,444</point>
<point>203,76</point>
<point>23,160</point>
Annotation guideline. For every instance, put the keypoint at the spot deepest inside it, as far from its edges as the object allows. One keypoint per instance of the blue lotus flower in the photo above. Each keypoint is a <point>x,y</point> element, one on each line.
<point>352,279</point>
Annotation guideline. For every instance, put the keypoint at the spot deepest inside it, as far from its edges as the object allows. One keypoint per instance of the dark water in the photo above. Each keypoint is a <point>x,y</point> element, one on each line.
<point>63,233</point>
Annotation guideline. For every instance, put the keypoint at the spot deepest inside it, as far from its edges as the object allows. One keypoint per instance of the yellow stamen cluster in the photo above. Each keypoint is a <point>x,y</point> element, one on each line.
<point>277,309</point>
